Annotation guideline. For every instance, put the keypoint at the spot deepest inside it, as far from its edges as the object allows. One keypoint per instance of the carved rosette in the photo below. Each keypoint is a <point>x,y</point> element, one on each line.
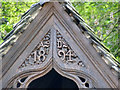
<point>65,52</point>
<point>39,54</point>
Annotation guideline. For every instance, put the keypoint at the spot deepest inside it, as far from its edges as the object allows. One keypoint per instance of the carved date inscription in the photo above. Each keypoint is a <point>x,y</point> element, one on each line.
<point>39,54</point>
<point>64,51</point>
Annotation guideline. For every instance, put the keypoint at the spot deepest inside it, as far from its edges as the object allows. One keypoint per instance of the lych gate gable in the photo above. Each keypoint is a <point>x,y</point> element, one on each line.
<point>55,42</point>
<point>53,51</point>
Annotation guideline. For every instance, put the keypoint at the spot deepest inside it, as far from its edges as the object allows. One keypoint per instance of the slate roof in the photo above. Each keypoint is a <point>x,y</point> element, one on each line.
<point>28,16</point>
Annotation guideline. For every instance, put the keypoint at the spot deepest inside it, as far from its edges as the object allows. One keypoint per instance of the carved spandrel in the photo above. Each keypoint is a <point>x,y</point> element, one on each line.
<point>65,52</point>
<point>86,82</point>
<point>39,54</point>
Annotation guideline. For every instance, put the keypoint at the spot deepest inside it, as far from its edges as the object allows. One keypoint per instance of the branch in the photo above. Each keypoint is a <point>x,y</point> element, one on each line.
<point>111,30</point>
<point>108,15</point>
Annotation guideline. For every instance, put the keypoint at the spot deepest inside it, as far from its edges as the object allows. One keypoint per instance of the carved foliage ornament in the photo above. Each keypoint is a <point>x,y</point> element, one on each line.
<point>39,54</point>
<point>65,52</point>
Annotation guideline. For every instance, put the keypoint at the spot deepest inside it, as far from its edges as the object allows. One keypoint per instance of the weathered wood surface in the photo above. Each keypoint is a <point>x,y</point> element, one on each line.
<point>87,64</point>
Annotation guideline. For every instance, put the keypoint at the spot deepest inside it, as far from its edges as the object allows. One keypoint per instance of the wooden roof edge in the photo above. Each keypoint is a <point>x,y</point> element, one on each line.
<point>113,62</point>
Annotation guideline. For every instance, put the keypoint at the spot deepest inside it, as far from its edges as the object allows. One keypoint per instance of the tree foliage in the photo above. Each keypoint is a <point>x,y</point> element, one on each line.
<point>103,17</point>
<point>11,13</point>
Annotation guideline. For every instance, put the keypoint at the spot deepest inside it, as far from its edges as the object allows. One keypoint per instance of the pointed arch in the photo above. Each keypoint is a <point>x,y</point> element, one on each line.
<point>74,61</point>
<point>23,79</point>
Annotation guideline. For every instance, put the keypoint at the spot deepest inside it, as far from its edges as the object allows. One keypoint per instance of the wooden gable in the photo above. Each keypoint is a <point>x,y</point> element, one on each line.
<point>53,41</point>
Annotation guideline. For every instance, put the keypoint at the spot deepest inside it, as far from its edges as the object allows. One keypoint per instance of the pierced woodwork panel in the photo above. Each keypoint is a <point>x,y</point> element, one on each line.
<point>85,82</point>
<point>39,54</point>
<point>20,82</point>
<point>65,52</point>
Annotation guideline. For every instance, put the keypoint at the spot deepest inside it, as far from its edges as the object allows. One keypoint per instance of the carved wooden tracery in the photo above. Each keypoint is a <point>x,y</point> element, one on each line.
<point>23,82</point>
<point>65,52</point>
<point>53,41</point>
<point>38,56</point>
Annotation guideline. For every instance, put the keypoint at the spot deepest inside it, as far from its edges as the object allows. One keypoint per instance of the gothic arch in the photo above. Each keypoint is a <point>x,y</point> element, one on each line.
<point>23,79</point>
<point>76,59</point>
<point>68,64</point>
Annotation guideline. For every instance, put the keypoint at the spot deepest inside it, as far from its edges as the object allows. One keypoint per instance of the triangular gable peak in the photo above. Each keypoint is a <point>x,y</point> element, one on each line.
<point>55,39</point>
